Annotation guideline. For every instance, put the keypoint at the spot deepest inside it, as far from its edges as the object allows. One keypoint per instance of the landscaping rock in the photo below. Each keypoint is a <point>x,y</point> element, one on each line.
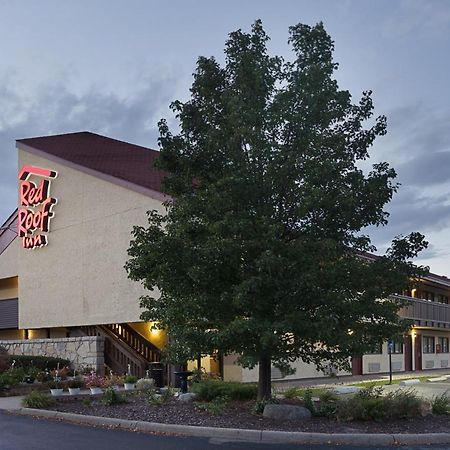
<point>346,389</point>
<point>188,397</point>
<point>286,412</point>
<point>409,382</point>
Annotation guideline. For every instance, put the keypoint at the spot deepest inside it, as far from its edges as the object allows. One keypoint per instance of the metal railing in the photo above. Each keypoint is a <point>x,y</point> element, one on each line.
<point>424,311</point>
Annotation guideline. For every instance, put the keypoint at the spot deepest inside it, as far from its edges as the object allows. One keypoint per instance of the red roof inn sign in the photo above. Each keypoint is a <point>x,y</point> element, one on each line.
<point>35,206</point>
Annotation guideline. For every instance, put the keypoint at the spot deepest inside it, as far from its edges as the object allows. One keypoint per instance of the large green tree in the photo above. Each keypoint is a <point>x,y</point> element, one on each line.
<point>260,250</point>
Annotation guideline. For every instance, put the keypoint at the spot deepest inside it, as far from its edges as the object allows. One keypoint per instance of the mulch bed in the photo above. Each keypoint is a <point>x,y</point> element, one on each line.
<point>238,415</point>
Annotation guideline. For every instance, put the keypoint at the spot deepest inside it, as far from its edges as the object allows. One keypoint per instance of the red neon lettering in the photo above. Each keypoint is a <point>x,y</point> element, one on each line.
<point>34,241</point>
<point>33,170</point>
<point>31,195</point>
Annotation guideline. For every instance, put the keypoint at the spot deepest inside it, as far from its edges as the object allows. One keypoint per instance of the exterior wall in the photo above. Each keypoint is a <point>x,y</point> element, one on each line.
<point>434,360</point>
<point>302,370</point>
<point>156,337</point>
<point>78,278</point>
<point>231,371</point>
<point>379,363</point>
<point>9,260</point>
<point>83,352</point>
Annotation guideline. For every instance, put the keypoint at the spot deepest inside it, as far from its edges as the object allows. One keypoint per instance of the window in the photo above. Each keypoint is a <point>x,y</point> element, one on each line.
<point>427,295</point>
<point>377,350</point>
<point>443,344</point>
<point>397,347</point>
<point>442,299</point>
<point>428,344</point>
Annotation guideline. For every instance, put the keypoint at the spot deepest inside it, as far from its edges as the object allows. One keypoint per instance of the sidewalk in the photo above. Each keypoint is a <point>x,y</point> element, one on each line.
<point>11,403</point>
<point>351,379</point>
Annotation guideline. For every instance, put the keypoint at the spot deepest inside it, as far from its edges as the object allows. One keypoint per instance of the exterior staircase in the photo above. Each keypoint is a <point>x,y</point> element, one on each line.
<point>125,347</point>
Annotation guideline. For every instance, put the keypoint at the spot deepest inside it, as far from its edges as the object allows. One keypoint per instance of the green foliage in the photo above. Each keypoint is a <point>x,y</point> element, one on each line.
<point>37,400</point>
<point>328,396</point>
<point>259,405</point>
<point>371,404</point>
<point>86,401</point>
<point>292,392</point>
<point>155,399</point>
<point>131,379</point>
<point>112,397</point>
<point>39,362</point>
<point>208,390</point>
<point>216,406</point>
<point>308,401</point>
<point>258,255</point>
<point>441,404</point>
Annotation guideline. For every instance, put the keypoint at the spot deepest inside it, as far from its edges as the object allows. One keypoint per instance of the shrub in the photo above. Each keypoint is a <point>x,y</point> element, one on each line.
<point>113,380</point>
<point>53,384</point>
<point>131,379</point>
<point>259,405</point>
<point>216,406</point>
<point>208,390</point>
<point>308,402</point>
<point>41,362</point>
<point>112,397</point>
<point>370,404</point>
<point>328,396</point>
<point>43,376</point>
<point>75,383</point>
<point>292,392</point>
<point>145,384</point>
<point>37,400</point>
<point>440,404</point>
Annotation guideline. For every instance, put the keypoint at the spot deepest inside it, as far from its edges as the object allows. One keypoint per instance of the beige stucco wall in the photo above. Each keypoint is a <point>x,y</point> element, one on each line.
<point>371,362</point>
<point>9,260</point>
<point>78,278</point>
<point>434,360</point>
<point>302,370</point>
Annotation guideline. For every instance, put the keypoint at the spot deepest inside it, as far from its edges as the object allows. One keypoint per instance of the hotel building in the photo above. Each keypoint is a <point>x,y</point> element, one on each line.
<point>63,288</point>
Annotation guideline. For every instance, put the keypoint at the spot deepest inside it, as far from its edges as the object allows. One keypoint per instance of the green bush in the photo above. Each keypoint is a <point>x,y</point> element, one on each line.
<point>112,397</point>
<point>216,406</point>
<point>37,400</point>
<point>40,362</point>
<point>292,392</point>
<point>208,390</point>
<point>441,404</point>
<point>259,405</point>
<point>370,404</point>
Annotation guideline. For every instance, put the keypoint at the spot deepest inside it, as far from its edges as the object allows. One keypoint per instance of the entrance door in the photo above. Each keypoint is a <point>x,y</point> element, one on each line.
<point>408,353</point>
<point>357,365</point>
<point>418,352</point>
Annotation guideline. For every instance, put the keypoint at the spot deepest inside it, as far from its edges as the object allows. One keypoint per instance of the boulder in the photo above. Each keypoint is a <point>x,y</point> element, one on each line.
<point>286,412</point>
<point>188,397</point>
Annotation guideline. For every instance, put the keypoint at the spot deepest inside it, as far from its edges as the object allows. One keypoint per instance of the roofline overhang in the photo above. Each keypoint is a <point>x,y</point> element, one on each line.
<point>156,195</point>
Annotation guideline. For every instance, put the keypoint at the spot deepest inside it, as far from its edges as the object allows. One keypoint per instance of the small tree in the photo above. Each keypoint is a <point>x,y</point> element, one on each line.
<point>260,252</point>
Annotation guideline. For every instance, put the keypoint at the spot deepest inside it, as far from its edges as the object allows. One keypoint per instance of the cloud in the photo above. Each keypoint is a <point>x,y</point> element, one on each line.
<point>417,18</point>
<point>56,110</point>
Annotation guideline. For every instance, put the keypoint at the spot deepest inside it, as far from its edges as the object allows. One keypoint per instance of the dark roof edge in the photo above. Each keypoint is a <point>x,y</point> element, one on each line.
<point>156,195</point>
<point>23,140</point>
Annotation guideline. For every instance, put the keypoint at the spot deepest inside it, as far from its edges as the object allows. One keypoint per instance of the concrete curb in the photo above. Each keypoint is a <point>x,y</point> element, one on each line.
<point>237,434</point>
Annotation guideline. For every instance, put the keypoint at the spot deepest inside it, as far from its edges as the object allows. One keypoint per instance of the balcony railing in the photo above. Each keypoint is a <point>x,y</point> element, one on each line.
<point>424,312</point>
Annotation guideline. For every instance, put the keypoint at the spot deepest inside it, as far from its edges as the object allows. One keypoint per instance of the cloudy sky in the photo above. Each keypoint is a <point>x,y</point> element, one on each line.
<point>112,67</point>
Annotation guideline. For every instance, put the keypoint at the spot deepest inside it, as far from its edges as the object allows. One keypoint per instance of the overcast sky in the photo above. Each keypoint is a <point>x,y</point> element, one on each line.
<point>112,67</point>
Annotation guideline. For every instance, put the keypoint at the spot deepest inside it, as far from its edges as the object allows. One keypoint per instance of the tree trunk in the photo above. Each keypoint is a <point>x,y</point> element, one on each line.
<point>264,381</point>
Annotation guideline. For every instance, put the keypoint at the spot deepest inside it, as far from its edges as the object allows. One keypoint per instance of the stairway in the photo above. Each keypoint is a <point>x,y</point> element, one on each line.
<point>125,347</point>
